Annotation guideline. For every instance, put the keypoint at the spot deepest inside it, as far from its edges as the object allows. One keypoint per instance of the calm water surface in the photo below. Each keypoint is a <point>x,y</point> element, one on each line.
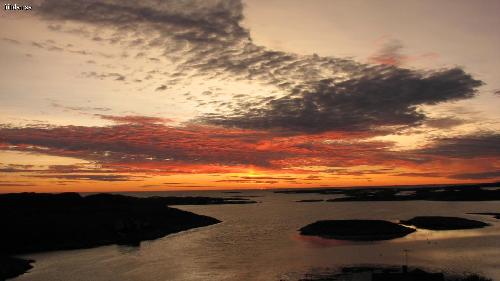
<point>261,242</point>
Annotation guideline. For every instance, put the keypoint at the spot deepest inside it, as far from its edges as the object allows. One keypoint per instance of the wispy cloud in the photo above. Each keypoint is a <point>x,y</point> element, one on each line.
<point>319,118</point>
<point>318,93</point>
<point>149,145</point>
<point>88,177</point>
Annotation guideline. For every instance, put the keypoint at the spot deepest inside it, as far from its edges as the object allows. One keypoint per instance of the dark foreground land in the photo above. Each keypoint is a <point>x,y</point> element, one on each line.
<point>11,267</point>
<point>46,222</point>
<point>356,230</point>
<point>388,273</point>
<point>444,223</point>
<point>471,192</point>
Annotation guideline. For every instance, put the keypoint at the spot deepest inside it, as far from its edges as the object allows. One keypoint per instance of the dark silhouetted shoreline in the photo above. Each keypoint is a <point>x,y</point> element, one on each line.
<point>11,267</point>
<point>472,192</point>
<point>37,222</point>
<point>389,273</point>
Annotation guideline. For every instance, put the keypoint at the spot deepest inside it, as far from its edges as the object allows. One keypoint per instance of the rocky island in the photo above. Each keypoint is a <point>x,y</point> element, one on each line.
<point>34,222</point>
<point>356,230</point>
<point>443,223</point>
<point>11,267</point>
<point>310,200</point>
<point>470,192</point>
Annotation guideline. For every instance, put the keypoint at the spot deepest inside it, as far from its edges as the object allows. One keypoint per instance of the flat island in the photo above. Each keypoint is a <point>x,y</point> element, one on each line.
<point>470,192</point>
<point>36,222</point>
<point>11,267</point>
<point>310,200</point>
<point>356,230</point>
<point>201,200</point>
<point>444,223</point>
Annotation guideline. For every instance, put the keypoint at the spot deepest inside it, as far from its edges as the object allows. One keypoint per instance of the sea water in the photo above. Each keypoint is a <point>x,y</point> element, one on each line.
<point>260,242</point>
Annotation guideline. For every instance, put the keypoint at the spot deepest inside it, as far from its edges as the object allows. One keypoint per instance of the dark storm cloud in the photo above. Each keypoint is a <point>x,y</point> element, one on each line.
<point>470,146</point>
<point>382,96</point>
<point>321,93</point>
<point>197,20</point>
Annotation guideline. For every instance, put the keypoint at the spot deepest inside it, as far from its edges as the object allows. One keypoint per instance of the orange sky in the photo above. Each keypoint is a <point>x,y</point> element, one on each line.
<point>183,95</point>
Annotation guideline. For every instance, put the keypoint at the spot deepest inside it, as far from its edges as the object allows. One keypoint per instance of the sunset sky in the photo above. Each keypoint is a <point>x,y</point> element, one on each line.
<point>121,95</point>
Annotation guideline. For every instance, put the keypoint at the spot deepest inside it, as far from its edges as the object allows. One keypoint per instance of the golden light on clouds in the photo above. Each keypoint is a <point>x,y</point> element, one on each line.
<point>229,95</point>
